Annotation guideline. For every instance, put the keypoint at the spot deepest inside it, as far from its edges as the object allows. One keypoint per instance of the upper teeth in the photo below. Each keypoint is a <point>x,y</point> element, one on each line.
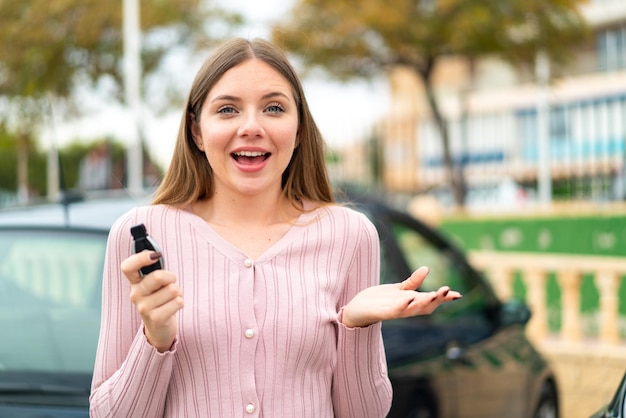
<point>249,153</point>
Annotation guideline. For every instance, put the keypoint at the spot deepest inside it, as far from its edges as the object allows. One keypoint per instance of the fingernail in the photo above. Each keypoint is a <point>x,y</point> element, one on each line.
<point>433,298</point>
<point>155,255</point>
<point>445,293</point>
<point>456,297</point>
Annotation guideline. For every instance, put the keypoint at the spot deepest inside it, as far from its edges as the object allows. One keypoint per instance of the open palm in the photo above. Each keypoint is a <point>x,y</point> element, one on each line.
<point>398,300</point>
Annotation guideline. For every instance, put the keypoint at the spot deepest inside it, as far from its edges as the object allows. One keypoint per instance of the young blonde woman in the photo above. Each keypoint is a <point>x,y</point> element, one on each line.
<point>269,303</point>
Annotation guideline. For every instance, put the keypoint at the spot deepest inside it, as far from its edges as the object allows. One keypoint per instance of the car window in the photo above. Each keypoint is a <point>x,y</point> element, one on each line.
<point>446,269</point>
<point>407,245</point>
<point>418,251</point>
<point>50,283</point>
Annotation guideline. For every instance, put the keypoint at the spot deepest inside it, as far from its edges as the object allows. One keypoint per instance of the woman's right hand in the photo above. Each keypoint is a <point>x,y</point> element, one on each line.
<point>157,298</point>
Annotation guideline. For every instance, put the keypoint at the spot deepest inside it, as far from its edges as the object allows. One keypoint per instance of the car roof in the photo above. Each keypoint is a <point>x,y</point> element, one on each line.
<point>96,210</point>
<point>98,213</point>
<point>101,211</point>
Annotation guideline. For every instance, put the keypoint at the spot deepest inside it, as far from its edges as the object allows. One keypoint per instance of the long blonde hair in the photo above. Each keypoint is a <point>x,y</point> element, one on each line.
<point>189,176</point>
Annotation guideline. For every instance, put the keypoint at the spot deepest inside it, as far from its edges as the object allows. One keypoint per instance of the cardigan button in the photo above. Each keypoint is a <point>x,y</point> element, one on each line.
<point>249,333</point>
<point>250,408</point>
<point>247,262</point>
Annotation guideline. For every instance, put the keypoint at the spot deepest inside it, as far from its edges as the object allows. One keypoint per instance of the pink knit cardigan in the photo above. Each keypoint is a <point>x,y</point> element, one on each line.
<point>257,338</point>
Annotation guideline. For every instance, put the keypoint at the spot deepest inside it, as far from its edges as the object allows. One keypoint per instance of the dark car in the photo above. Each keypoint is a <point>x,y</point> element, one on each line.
<point>617,407</point>
<point>468,359</point>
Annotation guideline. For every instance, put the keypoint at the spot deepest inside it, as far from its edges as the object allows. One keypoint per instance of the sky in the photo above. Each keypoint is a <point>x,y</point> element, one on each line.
<point>343,111</point>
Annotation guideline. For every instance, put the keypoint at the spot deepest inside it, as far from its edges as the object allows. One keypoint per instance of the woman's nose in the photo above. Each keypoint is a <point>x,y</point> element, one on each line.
<point>251,126</point>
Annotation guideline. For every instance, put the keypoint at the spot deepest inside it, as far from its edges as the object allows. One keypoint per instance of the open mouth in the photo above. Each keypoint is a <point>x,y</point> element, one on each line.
<point>250,157</point>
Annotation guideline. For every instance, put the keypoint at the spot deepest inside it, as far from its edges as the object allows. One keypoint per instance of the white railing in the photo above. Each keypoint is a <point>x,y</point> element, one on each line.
<point>588,366</point>
<point>534,268</point>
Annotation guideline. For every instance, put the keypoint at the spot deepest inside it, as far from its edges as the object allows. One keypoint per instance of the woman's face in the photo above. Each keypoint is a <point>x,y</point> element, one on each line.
<point>248,128</point>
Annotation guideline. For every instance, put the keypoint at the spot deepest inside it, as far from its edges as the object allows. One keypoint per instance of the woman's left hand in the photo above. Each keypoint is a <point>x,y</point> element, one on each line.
<point>391,301</point>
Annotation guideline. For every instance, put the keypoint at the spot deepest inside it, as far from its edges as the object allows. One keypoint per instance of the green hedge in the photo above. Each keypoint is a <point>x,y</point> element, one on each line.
<point>589,235</point>
<point>603,235</point>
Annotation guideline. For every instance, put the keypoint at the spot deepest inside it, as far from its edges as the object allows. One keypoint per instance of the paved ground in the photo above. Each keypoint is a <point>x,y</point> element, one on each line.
<point>588,375</point>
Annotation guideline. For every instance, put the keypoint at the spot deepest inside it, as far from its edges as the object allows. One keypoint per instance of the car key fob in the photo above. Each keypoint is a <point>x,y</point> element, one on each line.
<point>143,241</point>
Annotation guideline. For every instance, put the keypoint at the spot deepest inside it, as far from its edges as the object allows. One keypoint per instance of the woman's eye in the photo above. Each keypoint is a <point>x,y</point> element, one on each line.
<point>275,108</point>
<point>226,110</point>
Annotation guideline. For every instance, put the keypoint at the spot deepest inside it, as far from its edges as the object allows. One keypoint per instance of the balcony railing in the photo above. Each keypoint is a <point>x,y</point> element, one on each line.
<point>588,361</point>
<point>534,269</point>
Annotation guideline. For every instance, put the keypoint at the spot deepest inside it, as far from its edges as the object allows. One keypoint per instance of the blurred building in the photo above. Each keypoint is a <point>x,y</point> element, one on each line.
<point>495,122</point>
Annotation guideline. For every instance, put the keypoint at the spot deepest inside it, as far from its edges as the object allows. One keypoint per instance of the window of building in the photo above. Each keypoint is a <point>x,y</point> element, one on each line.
<point>611,44</point>
<point>527,134</point>
<point>559,129</point>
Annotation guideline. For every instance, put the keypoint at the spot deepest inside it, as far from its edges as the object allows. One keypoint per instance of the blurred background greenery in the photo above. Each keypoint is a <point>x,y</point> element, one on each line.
<point>439,59</point>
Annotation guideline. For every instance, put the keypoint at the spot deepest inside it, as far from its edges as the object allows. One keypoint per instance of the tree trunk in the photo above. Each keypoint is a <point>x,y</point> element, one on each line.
<point>455,176</point>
